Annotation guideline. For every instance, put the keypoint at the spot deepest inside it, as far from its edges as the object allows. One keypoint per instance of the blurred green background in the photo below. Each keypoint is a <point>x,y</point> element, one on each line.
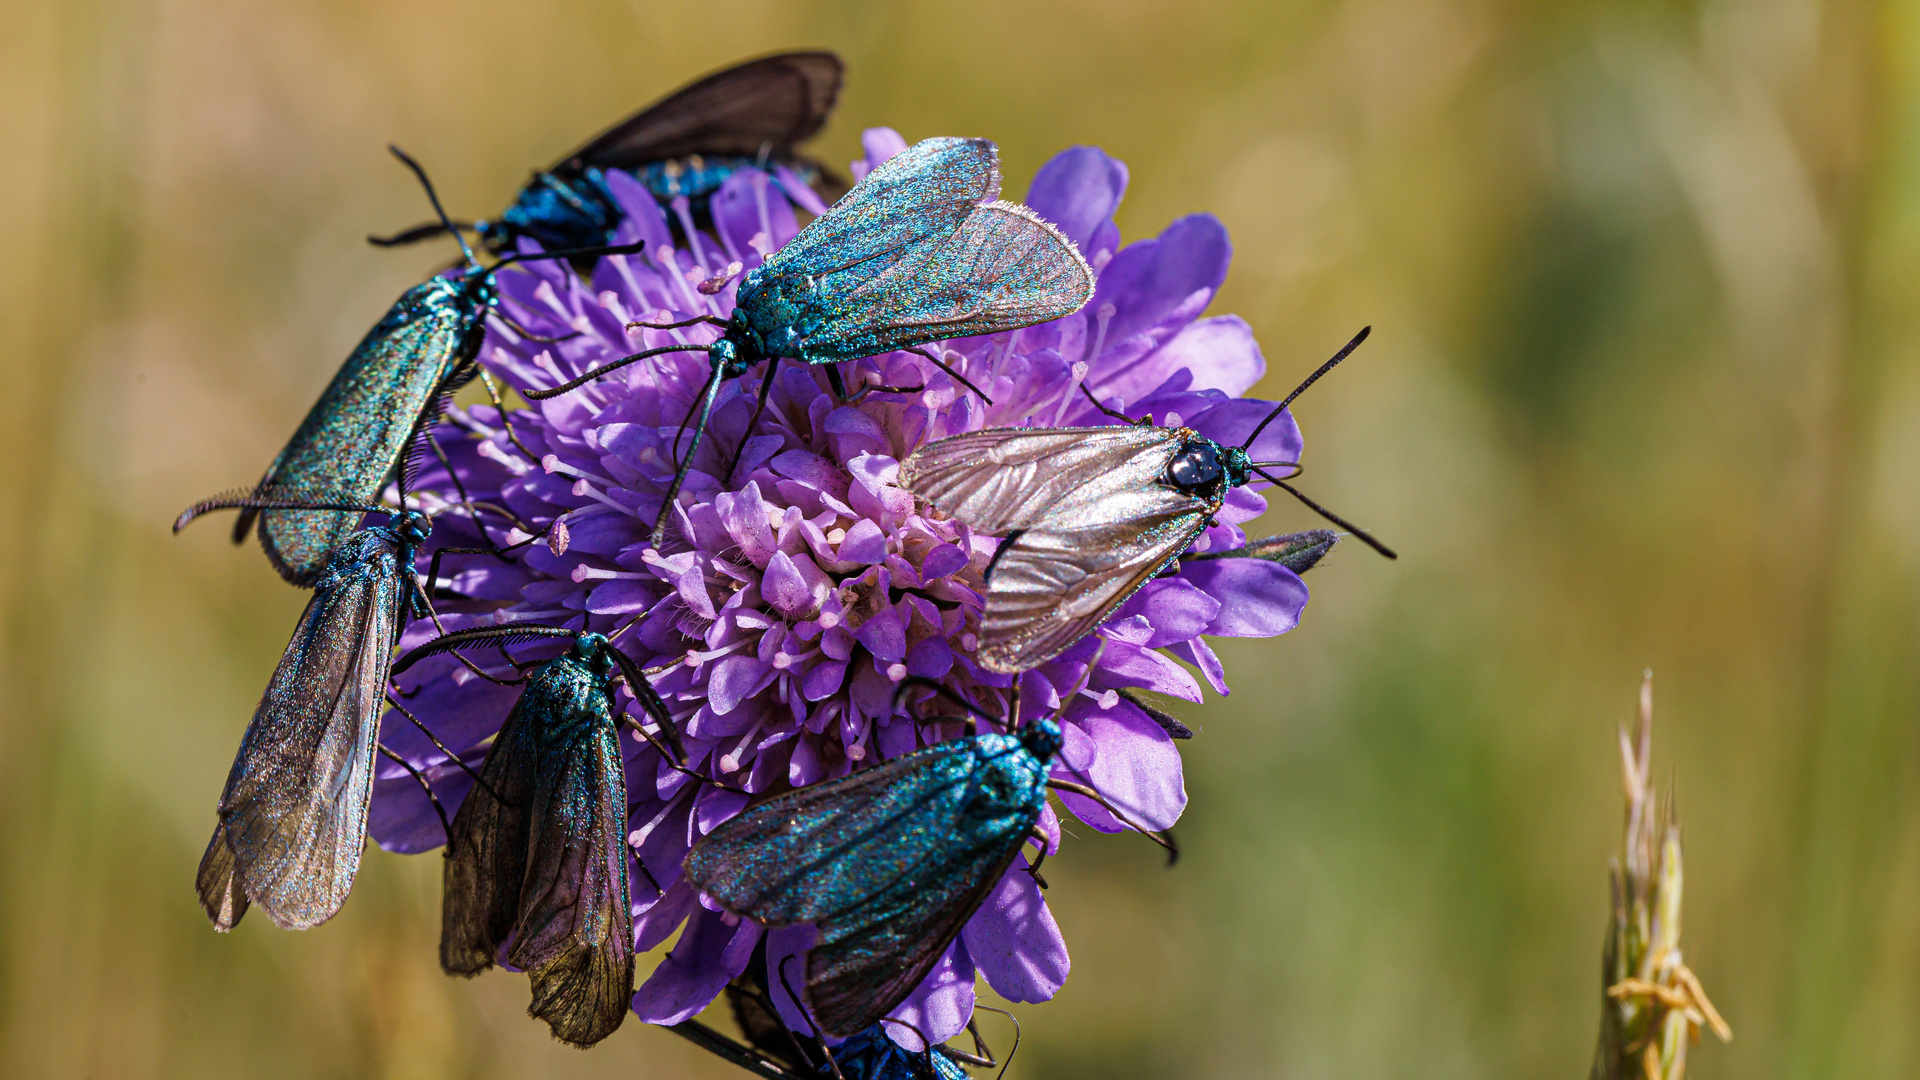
<point>1642,392</point>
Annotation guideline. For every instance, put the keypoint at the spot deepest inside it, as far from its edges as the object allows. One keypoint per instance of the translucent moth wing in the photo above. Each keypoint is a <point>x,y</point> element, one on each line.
<point>574,934</point>
<point>1053,586</point>
<point>771,104</point>
<point>481,898</point>
<point>1002,479</point>
<point>293,816</point>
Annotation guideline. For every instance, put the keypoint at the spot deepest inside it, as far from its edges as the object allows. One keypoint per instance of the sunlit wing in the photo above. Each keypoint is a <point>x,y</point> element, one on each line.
<point>807,854</point>
<point>888,863</point>
<point>574,937</point>
<point>1002,479</point>
<point>294,812</point>
<point>1054,585</point>
<point>919,196</point>
<point>484,870</point>
<point>1002,269</point>
<point>871,957</point>
<point>773,102</point>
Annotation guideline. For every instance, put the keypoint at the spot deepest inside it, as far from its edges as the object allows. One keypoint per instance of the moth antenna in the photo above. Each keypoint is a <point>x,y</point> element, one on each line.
<point>274,499</point>
<point>1365,537</point>
<point>1345,351</point>
<point>434,198</point>
<point>416,234</point>
<point>593,252</point>
<point>501,634</point>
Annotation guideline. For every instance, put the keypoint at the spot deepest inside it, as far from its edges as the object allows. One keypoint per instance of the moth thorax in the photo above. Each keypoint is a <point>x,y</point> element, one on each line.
<point>784,342</point>
<point>1197,467</point>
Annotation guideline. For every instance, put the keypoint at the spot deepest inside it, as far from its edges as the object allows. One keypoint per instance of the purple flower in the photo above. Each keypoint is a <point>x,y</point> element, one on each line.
<point>801,586</point>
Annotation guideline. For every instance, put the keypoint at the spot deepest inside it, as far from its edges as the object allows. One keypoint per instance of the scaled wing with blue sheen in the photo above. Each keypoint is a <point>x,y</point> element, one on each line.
<point>922,193</point>
<point>574,937</point>
<point>364,422</point>
<point>888,863</point>
<point>1002,269</point>
<point>293,816</point>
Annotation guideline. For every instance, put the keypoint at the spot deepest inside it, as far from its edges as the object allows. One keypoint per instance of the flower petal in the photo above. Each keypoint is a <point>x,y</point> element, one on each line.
<point>941,1005</point>
<point>709,953</point>
<point>1014,941</point>
<point>1257,598</point>
<point>1078,190</point>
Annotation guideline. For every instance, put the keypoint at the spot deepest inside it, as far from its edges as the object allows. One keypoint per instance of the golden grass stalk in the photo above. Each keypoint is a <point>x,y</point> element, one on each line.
<point>1653,1005</point>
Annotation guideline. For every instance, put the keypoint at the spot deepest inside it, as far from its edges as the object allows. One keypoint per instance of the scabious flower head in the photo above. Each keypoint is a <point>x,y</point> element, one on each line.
<point>798,588</point>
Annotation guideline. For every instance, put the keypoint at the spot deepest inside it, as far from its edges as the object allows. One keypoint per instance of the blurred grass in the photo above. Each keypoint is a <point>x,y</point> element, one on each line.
<point>1643,391</point>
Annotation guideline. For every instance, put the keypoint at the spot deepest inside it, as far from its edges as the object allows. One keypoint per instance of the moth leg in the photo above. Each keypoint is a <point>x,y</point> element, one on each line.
<point>1117,415</point>
<point>674,763</point>
<point>514,325</point>
<point>433,566</point>
<point>445,825</point>
<point>962,379</point>
<point>875,388</point>
<point>473,513</point>
<point>422,600</point>
<point>819,1036</point>
<point>493,393</point>
<point>644,872</point>
<point>1000,553</point>
<point>1033,868</point>
<point>766,390</point>
<point>442,747</point>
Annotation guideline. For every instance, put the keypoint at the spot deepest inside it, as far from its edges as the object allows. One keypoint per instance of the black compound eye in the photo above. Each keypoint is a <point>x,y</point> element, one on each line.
<point>1197,465</point>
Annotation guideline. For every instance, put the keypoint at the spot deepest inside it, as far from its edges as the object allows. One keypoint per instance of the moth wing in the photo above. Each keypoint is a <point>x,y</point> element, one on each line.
<point>1002,269</point>
<point>888,862</point>
<point>1054,584</point>
<point>484,871</point>
<point>919,195</point>
<point>773,102</point>
<point>871,957</point>
<point>574,937</point>
<point>294,812</point>
<point>218,883</point>
<point>1001,479</point>
<point>809,853</point>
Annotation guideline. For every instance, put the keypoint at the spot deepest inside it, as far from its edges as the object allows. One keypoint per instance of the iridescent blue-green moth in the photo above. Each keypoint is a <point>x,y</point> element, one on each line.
<point>391,388</point>
<point>918,251</point>
<point>537,853</point>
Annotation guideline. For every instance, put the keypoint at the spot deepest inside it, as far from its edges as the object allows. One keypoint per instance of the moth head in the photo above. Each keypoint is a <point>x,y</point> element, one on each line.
<point>591,650</point>
<point>1041,737</point>
<point>412,526</point>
